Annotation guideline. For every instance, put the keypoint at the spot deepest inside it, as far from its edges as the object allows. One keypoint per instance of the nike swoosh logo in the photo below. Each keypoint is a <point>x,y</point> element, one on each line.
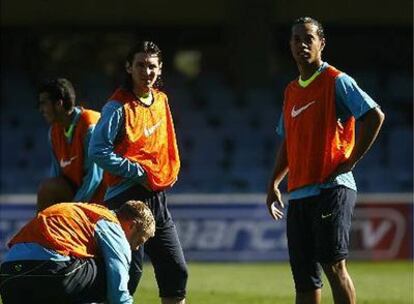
<point>324,216</point>
<point>149,131</point>
<point>296,112</point>
<point>65,163</point>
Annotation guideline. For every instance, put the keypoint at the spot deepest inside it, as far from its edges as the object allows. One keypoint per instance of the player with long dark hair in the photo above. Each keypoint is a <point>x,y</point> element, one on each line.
<point>134,142</point>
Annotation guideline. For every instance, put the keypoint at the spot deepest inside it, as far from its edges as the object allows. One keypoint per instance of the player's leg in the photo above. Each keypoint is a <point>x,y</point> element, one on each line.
<point>169,266</point>
<point>54,190</point>
<point>333,224</point>
<point>137,257</point>
<point>166,255</point>
<point>306,272</point>
<point>164,248</point>
<point>11,289</point>
<point>29,282</point>
<point>46,281</point>
<point>136,269</point>
<point>343,289</point>
<point>84,280</point>
<point>177,300</point>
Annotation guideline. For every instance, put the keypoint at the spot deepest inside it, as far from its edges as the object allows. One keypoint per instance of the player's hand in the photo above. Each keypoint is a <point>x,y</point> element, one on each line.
<point>274,203</point>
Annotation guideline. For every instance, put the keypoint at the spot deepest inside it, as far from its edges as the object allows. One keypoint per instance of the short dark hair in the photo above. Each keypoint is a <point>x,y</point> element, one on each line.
<point>59,88</point>
<point>148,47</point>
<point>304,20</point>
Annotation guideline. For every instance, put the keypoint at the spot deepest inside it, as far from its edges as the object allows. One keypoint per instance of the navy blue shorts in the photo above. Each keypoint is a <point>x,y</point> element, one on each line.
<point>318,230</point>
<point>39,282</point>
<point>164,249</point>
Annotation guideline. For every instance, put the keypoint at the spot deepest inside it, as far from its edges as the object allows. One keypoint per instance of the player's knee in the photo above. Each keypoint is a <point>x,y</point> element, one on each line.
<point>182,274</point>
<point>339,267</point>
<point>336,269</point>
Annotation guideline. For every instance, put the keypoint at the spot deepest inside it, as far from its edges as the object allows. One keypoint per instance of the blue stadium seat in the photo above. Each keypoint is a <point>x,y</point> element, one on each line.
<point>400,156</point>
<point>399,86</point>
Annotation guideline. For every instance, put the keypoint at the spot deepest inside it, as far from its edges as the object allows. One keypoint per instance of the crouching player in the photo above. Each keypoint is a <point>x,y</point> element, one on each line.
<point>75,253</point>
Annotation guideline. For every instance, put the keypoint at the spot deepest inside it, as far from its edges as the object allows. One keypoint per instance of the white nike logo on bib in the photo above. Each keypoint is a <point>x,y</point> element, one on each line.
<point>295,112</point>
<point>65,163</point>
<point>149,131</point>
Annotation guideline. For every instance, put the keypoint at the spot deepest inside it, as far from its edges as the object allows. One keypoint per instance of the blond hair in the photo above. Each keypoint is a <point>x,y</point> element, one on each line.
<point>139,212</point>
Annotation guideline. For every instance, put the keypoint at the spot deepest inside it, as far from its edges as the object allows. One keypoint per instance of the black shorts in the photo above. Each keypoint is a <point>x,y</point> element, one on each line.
<point>318,230</point>
<point>164,249</point>
<point>40,282</point>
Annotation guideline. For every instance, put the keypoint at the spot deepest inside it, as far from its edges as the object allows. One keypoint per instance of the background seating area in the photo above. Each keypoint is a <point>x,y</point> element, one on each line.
<point>226,131</point>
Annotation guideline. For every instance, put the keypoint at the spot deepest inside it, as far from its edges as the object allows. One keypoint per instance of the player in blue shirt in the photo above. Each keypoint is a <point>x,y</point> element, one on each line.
<point>81,252</point>
<point>318,153</point>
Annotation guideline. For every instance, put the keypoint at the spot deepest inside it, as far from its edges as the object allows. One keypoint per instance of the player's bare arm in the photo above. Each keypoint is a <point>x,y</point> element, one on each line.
<point>274,197</point>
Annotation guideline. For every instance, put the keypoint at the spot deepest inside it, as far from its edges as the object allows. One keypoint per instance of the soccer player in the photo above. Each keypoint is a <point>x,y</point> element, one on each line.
<point>74,177</point>
<point>134,142</point>
<point>319,152</point>
<point>75,253</point>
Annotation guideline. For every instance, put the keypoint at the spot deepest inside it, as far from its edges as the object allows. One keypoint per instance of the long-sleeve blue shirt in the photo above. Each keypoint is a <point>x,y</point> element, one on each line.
<point>116,254</point>
<point>101,150</point>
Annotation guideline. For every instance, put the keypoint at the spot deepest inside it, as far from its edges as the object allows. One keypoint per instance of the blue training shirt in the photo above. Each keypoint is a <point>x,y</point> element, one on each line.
<point>117,258</point>
<point>115,251</point>
<point>350,100</point>
<point>102,145</point>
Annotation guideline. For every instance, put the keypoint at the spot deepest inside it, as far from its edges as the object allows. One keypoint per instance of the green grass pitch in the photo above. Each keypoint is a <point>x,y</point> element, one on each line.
<point>265,283</point>
<point>269,283</point>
